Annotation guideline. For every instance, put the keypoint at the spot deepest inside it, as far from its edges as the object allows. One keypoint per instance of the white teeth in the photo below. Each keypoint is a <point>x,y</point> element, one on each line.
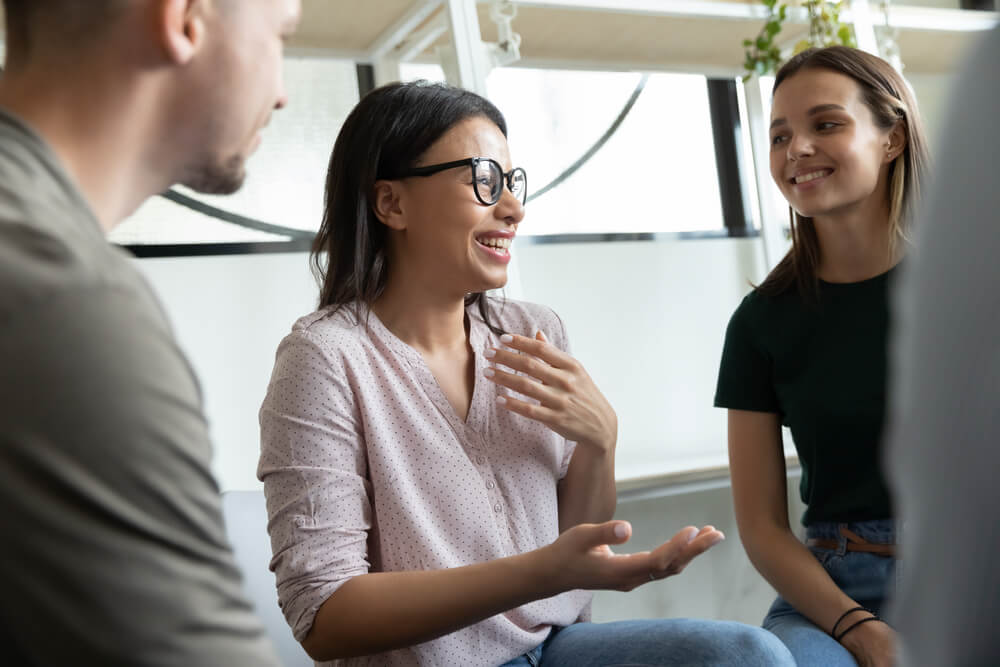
<point>805,178</point>
<point>497,243</point>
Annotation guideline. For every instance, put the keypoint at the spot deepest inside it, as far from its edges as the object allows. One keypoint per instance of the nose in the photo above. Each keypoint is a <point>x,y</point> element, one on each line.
<point>509,208</point>
<point>799,146</point>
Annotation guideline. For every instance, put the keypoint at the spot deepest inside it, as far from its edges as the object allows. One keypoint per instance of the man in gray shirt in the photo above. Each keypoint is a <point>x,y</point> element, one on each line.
<point>112,548</point>
<point>944,447</point>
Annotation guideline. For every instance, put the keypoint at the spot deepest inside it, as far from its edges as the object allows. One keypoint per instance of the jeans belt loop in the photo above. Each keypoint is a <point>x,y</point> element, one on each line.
<point>841,540</point>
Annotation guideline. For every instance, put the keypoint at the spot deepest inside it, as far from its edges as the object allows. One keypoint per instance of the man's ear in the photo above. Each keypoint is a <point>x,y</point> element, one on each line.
<point>387,206</point>
<point>180,28</point>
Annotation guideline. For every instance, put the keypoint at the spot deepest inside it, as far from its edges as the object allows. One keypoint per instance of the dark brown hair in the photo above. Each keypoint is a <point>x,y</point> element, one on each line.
<point>886,94</point>
<point>56,23</point>
<point>386,133</point>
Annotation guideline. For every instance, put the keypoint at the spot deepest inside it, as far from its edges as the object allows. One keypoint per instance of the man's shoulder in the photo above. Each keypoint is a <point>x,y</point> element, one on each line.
<point>38,268</point>
<point>50,242</point>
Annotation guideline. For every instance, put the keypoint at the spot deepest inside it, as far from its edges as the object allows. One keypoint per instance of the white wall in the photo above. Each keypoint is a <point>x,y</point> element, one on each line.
<point>647,319</point>
<point>230,313</point>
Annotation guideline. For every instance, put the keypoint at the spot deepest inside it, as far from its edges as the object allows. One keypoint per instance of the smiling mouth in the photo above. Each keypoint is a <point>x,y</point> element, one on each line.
<point>497,244</point>
<point>811,176</point>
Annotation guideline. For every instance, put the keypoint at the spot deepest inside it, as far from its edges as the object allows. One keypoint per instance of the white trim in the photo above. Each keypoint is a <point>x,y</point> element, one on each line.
<point>681,8</point>
<point>904,17</point>
<point>678,482</point>
<point>396,33</point>
<point>771,220</point>
<point>324,53</point>
<point>418,42</point>
<point>864,30</point>
<point>935,19</point>
<point>574,64</point>
<point>471,65</point>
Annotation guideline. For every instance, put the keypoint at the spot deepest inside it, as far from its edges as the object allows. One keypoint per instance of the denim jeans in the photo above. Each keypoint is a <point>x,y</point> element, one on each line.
<point>869,579</point>
<point>658,642</point>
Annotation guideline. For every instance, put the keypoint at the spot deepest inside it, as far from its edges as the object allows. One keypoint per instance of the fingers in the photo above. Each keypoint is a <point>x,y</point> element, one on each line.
<point>539,347</point>
<point>529,365</point>
<point>539,413</point>
<point>522,385</point>
<point>672,557</point>
<point>592,535</point>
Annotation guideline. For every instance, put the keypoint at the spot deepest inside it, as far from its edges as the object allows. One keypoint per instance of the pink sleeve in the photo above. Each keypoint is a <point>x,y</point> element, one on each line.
<point>313,466</point>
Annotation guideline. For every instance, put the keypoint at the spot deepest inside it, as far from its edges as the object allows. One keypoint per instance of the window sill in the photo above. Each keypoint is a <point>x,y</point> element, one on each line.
<point>684,476</point>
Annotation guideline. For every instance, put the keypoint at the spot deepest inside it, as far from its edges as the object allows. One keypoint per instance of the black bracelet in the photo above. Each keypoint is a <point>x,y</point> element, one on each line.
<point>863,620</point>
<point>833,632</point>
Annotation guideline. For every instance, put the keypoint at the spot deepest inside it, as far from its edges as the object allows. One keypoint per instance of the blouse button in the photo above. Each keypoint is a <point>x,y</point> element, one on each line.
<point>496,508</point>
<point>490,485</point>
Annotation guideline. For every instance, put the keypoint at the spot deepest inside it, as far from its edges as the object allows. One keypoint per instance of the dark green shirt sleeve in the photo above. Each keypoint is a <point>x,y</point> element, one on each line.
<point>113,550</point>
<point>745,371</point>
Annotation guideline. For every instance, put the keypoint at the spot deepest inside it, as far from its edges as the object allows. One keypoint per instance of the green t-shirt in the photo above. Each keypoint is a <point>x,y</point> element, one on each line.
<point>821,367</point>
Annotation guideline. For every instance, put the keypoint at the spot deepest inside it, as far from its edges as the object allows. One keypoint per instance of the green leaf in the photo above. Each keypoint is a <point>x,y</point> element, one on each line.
<point>773,28</point>
<point>762,44</point>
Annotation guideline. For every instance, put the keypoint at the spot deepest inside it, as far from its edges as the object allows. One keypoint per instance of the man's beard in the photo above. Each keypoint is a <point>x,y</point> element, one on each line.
<point>218,179</point>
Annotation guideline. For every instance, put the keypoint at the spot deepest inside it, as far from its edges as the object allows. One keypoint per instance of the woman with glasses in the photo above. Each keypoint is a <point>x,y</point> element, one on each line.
<point>439,470</point>
<point>807,349</point>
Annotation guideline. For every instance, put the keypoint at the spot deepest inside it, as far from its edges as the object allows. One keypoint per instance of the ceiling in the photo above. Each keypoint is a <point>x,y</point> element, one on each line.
<point>605,38</point>
<point>615,39</point>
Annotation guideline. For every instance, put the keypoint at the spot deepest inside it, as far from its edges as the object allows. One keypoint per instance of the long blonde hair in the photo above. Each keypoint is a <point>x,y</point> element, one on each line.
<point>888,97</point>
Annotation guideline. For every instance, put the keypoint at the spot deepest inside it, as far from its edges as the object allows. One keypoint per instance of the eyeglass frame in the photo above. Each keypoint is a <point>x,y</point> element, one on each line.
<point>505,177</point>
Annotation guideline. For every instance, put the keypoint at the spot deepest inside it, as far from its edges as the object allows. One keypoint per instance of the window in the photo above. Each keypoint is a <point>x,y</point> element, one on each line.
<point>656,172</point>
<point>285,177</point>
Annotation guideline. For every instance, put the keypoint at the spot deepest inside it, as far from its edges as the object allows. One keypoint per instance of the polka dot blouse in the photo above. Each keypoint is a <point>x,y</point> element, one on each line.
<point>367,468</point>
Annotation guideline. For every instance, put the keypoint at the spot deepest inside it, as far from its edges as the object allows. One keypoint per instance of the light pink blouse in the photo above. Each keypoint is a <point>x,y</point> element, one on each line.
<point>367,468</point>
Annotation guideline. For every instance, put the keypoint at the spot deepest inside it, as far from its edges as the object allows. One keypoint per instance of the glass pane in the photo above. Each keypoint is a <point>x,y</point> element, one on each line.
<point>657,173</point>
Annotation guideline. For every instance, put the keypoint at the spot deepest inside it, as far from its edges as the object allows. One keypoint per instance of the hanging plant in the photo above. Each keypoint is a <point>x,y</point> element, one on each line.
<point>764,54</point>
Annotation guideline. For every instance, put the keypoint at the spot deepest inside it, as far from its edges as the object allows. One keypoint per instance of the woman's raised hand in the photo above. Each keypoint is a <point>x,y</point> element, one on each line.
<point>569,402</point>
<point>581,558</point>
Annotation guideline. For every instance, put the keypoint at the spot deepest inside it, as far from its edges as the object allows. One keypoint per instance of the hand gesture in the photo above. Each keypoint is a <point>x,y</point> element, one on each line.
<point>569,402</point>
<point>582,558</point>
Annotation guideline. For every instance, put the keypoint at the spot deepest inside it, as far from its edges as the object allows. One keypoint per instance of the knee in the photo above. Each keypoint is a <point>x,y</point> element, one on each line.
<point>756,646</point>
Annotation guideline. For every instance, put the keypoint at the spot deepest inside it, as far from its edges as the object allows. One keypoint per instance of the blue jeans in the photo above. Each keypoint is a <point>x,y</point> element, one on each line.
<point>659,643</point>
<point>867,578</point>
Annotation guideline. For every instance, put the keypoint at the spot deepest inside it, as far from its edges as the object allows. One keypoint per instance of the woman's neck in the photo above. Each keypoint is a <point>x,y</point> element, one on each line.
<point>854,245</point>
<point>430,323</point>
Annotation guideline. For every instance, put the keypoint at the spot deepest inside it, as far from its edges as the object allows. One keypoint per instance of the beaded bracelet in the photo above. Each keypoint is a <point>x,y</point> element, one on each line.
<point>873,617</point>
<point>833,632</point>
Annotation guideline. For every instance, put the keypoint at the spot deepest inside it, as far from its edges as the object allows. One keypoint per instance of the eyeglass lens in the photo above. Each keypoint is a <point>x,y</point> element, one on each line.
<point>490,181</point>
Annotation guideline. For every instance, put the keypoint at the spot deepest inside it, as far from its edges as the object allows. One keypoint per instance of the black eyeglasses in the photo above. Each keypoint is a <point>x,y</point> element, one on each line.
<point>488,178</point>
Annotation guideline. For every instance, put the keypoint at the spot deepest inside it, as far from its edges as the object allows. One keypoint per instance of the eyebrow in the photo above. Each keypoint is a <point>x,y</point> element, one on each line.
<point>812,112</point>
